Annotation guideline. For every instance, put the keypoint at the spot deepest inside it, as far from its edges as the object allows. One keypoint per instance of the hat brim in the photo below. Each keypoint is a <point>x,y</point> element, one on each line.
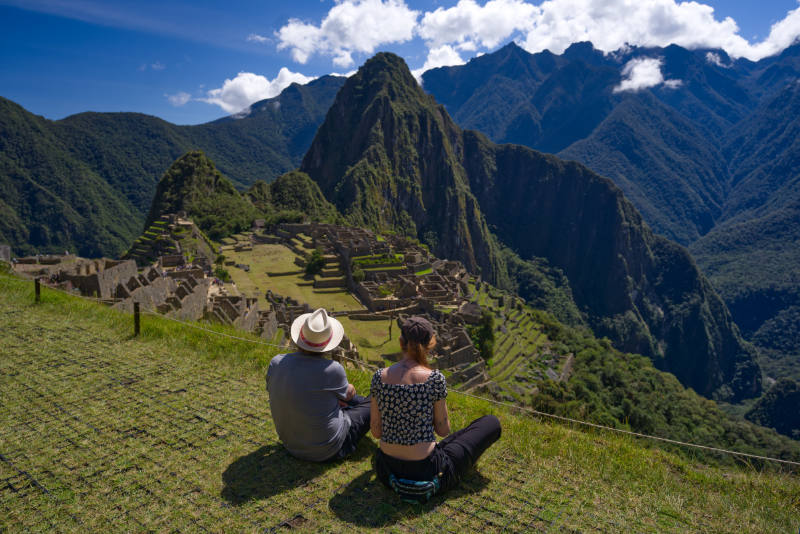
<point>337,333</point>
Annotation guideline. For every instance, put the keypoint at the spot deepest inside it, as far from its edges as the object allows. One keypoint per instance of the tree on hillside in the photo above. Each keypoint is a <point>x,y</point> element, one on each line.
<point>482,335</point>
<point>315,263</point>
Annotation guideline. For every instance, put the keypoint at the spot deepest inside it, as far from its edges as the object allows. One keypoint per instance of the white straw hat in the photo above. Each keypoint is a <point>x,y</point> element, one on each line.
<point>317,332</point>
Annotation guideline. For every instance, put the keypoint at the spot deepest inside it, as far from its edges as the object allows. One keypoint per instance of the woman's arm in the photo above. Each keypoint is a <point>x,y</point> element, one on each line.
<point>375,419</point>
<point>441,420</point>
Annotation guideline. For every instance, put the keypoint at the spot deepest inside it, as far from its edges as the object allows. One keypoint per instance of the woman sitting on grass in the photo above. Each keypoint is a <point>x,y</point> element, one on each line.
<point>408,404</point>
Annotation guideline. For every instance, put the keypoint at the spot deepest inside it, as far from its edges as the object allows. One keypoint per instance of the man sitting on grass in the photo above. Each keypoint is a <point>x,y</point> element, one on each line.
<point>316,412</point>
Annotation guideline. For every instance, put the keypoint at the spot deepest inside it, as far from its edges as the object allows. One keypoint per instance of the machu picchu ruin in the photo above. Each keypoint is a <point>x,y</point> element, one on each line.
<point>175,270</point>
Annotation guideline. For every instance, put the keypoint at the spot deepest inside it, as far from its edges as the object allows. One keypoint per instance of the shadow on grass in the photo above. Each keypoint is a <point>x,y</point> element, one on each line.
<point>271,470</point>
<point>366,502</point>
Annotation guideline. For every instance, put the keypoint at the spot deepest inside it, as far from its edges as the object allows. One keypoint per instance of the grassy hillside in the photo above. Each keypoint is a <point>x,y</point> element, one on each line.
<point>171,431</point>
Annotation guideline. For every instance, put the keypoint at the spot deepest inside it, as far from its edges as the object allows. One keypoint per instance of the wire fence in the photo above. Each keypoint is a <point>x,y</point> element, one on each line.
<point>509,405</point>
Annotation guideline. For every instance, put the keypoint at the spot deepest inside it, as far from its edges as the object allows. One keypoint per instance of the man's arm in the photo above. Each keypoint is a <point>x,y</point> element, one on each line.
<point>338,383</point>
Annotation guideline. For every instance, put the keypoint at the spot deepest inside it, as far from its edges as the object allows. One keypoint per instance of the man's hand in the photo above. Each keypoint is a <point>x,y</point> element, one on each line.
<point>351,391</point>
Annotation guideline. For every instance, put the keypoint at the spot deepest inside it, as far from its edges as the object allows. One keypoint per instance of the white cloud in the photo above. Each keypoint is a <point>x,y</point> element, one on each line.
<point>237,94</point>
<point>256,38</point>
<point>444,56</point>
<point>158,66</point>
<point>350,26</point>
<point>613,23</point>
<point>178,99</point>
<point>469,24</point>
<point>715,59</point>
<point>641,73</point>
<point>353,28</point>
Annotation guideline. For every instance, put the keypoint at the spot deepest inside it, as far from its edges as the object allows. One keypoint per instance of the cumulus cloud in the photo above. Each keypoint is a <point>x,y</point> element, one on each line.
<point>256,38</point>
<point>641,73</point>
<point>468,24</point>
<point>359,27</point>
<point>350,26</point>
<point>178,99</point>
<point>158,66</point>
<point>612,23</point>
<point>443,56</point>
<point>237,94</point>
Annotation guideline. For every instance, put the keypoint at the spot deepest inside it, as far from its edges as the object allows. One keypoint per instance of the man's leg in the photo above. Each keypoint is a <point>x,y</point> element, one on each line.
<point>465,446</point>
<point>357,410</point>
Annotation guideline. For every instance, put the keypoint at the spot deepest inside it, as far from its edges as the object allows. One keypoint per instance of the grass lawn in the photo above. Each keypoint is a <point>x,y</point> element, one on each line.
<point>372,337</point>
<point>170,431</point>
<point>279,259</point>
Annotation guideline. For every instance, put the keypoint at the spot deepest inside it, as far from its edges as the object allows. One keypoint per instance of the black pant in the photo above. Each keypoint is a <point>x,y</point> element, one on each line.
<point>450,458</point>
<point>357,410</point>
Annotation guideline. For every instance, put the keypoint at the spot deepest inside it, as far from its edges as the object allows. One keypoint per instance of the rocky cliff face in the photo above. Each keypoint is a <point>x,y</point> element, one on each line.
<point>641,290</point>
<point>388,157</point>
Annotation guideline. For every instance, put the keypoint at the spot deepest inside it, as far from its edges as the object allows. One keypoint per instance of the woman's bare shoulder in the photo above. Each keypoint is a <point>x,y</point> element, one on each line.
<point>400,374</point>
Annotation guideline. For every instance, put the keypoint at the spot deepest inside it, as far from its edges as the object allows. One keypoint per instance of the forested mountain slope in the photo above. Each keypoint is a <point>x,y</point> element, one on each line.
<point>86,182</point>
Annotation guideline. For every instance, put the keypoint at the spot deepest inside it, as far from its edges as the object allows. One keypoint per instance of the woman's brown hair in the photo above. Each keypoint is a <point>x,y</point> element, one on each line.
<point>417,351</point>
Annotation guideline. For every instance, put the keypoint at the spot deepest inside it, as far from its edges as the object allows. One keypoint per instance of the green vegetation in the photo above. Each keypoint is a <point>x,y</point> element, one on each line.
<point>315,263</point>
<point>482,335</point>
<point>359,275</point>
<point>222,274</point>
<point>423,272</point>
<point>778,408</point>
<point>194,185</point>
<point>51,200</point>
<point>292,197</point>
<point>386,290</point>
<point>377,259</point>
<point>171,431</point>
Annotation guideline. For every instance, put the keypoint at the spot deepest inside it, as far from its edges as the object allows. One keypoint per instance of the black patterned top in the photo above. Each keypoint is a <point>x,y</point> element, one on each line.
<point>407,409</point>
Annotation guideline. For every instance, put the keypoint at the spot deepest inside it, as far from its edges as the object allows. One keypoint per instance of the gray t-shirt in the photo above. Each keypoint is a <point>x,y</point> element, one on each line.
<point>303,395</point>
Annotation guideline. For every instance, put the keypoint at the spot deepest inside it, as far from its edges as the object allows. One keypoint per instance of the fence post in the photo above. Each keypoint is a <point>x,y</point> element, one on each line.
<point>135,319</point>
<point>38,289</point>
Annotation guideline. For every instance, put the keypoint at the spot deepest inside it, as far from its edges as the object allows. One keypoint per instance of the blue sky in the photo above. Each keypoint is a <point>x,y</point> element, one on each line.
<point>194,61</point>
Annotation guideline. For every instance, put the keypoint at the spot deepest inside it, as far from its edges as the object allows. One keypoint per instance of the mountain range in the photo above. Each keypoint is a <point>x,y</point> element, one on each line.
<point>709,156</point>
